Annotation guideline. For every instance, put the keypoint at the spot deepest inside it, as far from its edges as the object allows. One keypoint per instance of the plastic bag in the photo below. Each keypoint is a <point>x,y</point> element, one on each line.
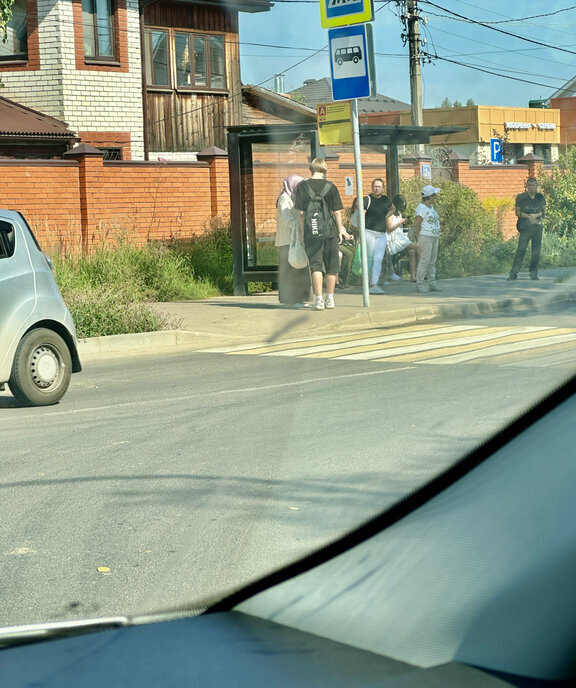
<point>297,256</point>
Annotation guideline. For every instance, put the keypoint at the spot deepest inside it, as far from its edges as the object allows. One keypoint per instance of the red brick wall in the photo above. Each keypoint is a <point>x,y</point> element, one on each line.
<point>86,201</point>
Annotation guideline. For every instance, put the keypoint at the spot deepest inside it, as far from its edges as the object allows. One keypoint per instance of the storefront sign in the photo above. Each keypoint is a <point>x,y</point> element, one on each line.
<point>542,126</point>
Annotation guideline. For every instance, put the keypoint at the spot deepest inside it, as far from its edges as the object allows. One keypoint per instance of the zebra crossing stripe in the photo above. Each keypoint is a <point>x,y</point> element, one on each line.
<point>311,342</point>
<point>410,345</point>
<point>524,345</point>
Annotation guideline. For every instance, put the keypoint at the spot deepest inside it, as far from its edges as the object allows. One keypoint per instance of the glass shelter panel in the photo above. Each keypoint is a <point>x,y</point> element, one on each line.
<point>261,185</point>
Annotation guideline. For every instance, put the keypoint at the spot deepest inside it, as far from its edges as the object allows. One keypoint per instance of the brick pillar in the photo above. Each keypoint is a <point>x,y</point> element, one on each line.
<point>89,174</point>
<point>219,179</point>
<point>533,162</point>
<point>460,165</point>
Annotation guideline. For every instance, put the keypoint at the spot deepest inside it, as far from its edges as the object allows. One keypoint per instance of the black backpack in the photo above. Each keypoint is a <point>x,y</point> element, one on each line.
<point>318,220</point>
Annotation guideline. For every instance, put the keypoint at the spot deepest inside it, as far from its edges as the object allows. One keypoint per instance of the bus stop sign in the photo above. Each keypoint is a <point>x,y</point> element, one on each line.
<point>349,62</point>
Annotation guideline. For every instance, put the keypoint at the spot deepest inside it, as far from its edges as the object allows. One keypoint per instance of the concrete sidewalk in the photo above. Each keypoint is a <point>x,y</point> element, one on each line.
<point>230,320</point>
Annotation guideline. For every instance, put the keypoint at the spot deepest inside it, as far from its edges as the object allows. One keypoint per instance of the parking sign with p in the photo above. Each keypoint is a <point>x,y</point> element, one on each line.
<point>496,150</point>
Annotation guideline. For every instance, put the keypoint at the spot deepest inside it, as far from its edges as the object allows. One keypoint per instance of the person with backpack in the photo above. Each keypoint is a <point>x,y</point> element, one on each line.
<point>320,209</point>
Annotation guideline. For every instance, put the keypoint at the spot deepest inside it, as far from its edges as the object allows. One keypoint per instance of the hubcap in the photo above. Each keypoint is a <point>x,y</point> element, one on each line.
<point>44,367</point>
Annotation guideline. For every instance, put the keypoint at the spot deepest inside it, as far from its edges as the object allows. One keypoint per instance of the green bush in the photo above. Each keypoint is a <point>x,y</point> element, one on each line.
<point>470,242</point>
<point>102,311</point>
<point>558,184</point>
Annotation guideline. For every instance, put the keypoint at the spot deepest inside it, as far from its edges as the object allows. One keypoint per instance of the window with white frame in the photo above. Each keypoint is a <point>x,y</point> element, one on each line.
<point>184,60</point>
<point>98,29</point>
<point>15,47</point>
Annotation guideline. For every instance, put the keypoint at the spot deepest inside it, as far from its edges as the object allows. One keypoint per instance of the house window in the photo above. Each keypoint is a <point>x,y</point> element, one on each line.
<point>185,60</point>
<point>98,29</point>
<point>15,47</point>
<point>111,153</point>
<point>157,66</point>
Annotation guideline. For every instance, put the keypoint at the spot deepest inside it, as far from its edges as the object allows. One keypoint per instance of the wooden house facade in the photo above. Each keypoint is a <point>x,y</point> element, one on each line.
<point>134,78</point>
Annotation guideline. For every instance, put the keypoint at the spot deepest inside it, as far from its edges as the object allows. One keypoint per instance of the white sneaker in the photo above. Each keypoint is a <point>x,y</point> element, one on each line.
<point>376,290</point>
<point>422,289</point>
<point>394,277</point>
<point>318,304</point>
<point>330,301</point>
<point>434,287</point>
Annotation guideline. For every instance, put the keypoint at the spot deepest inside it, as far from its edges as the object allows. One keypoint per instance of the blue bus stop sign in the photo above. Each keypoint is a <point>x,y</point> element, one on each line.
<point>349,62</point>
<point>496,150</point>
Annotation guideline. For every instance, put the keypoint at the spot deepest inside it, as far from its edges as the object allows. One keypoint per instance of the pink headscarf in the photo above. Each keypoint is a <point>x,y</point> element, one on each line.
<point>289,185</point>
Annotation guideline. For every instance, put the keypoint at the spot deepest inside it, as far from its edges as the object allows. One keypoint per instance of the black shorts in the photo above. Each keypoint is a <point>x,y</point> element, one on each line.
<point>323,255</point>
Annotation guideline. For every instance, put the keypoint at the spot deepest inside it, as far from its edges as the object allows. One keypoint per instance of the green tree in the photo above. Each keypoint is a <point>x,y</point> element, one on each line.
<point>470,102</point>
<point>456,104</point>
<point>5,15</point>
<point>446,103</point>
<point>558,184</point>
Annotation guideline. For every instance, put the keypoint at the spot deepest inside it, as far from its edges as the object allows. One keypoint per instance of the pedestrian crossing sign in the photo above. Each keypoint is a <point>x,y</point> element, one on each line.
<point>345,12</point>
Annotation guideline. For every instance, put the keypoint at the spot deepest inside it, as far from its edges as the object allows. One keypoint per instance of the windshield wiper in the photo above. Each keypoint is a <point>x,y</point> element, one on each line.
<point>17,635</point>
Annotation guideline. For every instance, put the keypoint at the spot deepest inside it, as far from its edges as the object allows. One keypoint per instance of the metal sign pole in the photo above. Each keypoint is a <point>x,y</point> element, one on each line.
<point>360,200</point>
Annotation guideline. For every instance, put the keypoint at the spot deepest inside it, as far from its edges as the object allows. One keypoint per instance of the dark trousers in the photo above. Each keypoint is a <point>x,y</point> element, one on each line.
<point>293,284</point>
<point>531,234</point>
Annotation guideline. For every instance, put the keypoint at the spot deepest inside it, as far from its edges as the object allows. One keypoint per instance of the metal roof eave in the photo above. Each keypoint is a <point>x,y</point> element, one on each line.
<point>382,134</point>
<point>251,6</point>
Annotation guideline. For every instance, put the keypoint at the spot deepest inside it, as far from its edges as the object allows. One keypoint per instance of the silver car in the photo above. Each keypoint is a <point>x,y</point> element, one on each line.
<point>38,351</point>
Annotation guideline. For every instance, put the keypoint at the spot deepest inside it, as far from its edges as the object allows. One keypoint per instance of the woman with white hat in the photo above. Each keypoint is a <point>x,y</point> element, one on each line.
<point>427,231</point>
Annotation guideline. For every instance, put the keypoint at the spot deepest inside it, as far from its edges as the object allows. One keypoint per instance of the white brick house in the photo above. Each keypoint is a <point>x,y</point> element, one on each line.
<point>81,61</point>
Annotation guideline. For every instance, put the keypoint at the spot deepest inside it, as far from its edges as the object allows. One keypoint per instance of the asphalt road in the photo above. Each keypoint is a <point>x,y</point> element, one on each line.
<point>182,475</point>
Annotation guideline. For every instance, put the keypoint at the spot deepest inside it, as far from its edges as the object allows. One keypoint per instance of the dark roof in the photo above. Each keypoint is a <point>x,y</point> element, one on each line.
<point>18,121</point>
<point>317,91</point>
<point>277,104</point>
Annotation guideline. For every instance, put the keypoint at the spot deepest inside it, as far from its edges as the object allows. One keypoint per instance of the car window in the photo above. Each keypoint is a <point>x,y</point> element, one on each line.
<point>7,239</point>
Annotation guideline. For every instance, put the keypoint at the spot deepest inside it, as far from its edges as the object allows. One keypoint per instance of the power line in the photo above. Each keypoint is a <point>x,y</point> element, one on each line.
<point>493,28</point>
<point>503,76</point>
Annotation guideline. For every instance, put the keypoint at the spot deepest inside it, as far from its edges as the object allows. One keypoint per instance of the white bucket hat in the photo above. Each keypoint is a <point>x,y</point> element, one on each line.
<point>429,190</point>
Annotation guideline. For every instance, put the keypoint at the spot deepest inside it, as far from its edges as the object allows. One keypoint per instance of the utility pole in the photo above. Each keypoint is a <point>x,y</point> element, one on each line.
<point>415,73</point>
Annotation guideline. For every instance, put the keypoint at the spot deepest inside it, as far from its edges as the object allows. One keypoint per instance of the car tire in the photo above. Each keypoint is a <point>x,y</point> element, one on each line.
<point>42,368</point>
<point>355,60</point>
<point>339,60</point>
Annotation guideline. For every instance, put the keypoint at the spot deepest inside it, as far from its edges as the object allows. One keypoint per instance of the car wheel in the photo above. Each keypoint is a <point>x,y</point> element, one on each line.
<point>355,60</point>
<point>42,368</point>
<point>339,60</point>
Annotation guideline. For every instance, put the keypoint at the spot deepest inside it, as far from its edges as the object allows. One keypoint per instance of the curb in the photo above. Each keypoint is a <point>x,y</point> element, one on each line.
<point>150,342</point>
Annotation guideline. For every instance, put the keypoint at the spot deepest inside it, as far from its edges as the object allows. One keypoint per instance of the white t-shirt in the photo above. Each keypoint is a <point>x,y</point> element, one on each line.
<point>430,220</point>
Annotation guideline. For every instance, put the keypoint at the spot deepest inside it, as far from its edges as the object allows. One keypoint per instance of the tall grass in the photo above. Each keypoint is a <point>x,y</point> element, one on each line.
<point>109,291</point>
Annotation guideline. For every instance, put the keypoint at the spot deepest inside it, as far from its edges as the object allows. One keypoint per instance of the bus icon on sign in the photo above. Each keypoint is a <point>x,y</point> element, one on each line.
<point>352,54</point>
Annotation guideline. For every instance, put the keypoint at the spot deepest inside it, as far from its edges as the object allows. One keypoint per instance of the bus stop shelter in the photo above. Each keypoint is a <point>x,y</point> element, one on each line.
<point>260,156</point>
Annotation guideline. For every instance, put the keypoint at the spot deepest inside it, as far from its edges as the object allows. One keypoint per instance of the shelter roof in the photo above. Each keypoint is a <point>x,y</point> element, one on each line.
<point>374,134</point>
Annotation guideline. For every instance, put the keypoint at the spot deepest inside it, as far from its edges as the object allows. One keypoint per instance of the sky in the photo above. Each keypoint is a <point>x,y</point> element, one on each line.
<point>285,41</point>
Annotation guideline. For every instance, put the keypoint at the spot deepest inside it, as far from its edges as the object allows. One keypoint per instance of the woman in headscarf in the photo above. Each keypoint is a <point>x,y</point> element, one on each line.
<point>293,284</point>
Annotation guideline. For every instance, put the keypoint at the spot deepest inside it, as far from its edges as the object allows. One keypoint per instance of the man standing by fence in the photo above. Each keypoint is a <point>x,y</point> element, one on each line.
<point>530,209</point>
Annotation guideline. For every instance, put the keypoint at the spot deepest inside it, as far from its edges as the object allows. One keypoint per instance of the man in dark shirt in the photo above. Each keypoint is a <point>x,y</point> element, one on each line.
<point>530,209</point>
<point>322,252</point>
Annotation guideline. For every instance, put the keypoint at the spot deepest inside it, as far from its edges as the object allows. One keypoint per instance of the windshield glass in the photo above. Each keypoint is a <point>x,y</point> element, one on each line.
<point>257,384</point>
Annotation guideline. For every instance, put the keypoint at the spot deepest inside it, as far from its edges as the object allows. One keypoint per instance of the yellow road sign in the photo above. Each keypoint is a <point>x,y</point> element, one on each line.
<point>334,123</point>
<point>345,12</point>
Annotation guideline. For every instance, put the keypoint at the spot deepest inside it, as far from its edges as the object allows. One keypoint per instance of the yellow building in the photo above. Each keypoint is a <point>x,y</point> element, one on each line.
<point>523,130</point>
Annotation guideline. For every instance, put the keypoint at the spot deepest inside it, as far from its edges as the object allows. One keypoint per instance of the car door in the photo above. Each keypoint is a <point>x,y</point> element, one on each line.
<point>17,288</point>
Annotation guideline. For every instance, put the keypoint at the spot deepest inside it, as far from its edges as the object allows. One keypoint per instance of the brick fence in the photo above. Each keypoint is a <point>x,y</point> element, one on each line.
<point>82,201</point>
